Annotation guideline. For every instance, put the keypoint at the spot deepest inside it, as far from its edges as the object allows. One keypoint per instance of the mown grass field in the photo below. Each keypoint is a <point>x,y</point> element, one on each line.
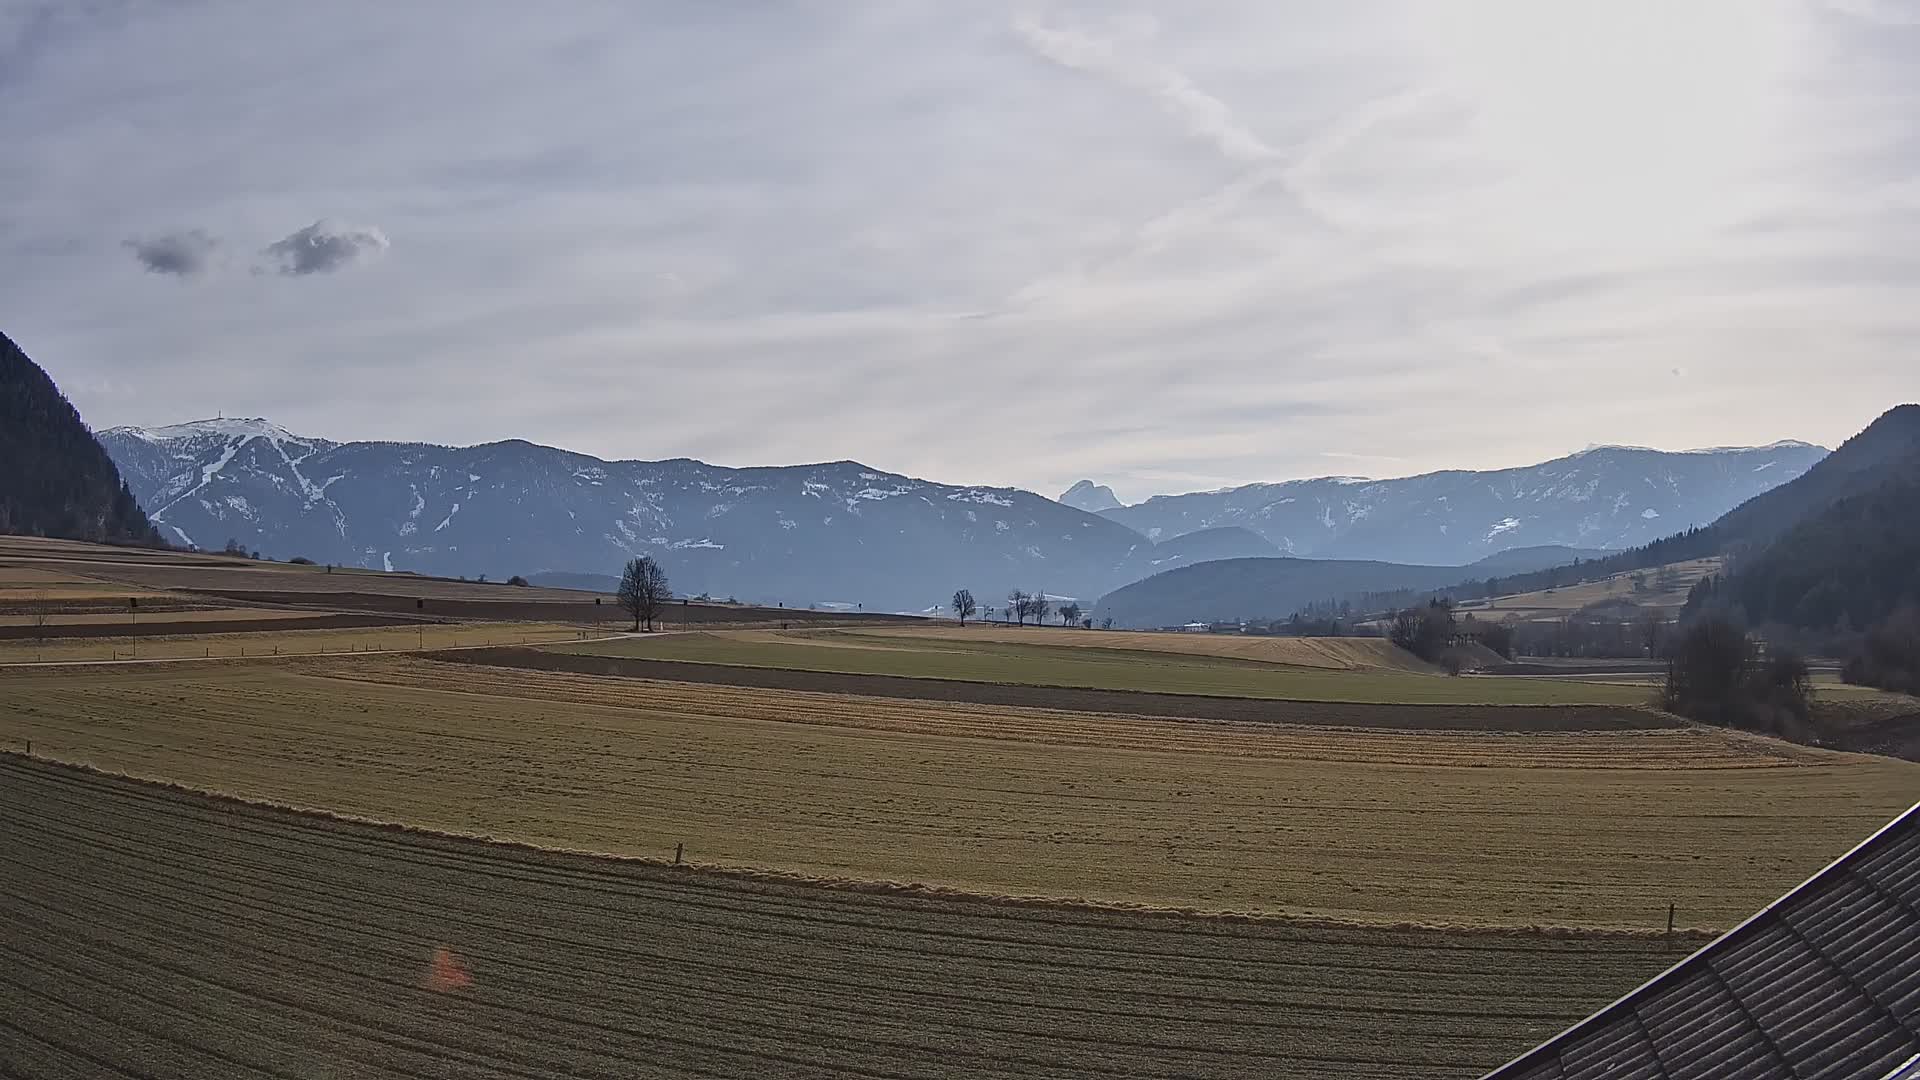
<point>1469,828</point>
<point>992,657</point>
<point>160,934</point>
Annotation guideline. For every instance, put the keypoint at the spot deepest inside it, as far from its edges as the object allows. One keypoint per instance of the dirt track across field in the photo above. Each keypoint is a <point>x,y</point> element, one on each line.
<point>1135,703</point>
<point>173,936</point>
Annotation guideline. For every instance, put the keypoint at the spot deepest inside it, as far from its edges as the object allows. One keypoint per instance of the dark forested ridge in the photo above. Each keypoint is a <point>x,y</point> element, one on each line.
<point>1843,567</point>
<point>55,480</point>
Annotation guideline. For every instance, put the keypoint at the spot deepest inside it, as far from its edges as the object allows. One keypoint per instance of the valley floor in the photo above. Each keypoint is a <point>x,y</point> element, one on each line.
<point>910,850</point>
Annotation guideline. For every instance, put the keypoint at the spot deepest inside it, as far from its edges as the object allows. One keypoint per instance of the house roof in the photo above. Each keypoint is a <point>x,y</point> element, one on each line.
<point>1822,984</point>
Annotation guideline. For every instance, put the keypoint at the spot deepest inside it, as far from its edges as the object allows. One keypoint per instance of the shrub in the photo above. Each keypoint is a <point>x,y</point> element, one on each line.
<point>301,560</point>
<point>1889,654</point>
<point>517,580</point>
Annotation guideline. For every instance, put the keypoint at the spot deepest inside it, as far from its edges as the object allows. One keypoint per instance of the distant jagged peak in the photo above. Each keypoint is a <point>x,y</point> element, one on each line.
<point>1091,497</point>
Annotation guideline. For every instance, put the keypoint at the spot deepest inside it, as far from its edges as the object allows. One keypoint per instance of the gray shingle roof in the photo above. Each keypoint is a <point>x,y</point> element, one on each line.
<point>1823,984</point>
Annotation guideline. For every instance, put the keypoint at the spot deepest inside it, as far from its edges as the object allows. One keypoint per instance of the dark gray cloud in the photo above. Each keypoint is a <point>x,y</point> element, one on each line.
<point>187,253</point>
<point>324,247</point>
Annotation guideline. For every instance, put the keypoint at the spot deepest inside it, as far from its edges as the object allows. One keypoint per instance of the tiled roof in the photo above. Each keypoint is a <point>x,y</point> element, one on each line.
<point>1824,984</point>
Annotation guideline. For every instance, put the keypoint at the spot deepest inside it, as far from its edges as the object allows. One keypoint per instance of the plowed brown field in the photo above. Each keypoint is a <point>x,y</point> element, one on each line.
<point>1577,829</point>
<point>160,934</point>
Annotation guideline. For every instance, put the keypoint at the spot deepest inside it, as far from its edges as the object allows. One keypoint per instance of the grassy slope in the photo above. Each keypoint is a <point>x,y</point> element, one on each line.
<point>1558,603</point>
<point>1588,829</point>
<point>1042,664</point>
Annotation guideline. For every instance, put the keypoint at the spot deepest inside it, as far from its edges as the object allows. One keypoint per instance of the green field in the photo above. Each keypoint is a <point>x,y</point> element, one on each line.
<point>1040,664</point>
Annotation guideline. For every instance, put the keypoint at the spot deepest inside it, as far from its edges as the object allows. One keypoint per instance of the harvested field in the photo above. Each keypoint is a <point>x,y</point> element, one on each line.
<point>173,624</point>
<point>77,572</point>
<point>161,934</point>
<point>1519,718</point>
<point>1035,663</point>
<point>1339,654</point>
<point>1600,830</point>
<point>379,634</point>
<point>562,607</point>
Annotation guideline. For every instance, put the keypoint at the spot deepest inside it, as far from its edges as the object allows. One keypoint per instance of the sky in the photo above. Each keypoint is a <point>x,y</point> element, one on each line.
<point>1166,246</point>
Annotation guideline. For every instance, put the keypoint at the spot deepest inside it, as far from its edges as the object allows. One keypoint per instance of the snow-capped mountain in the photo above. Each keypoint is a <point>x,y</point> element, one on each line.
<point>841,532</point>
<point>830,533</point>
<point>1602,497</point>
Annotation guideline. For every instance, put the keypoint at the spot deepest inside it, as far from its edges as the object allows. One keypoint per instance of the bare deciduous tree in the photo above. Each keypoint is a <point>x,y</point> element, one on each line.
<point>1041,606</point>
<point>644,590</point>
<point>1069,614</point>
<point>40,621</point>
<point>1019,605</point>
<point>963,605</point>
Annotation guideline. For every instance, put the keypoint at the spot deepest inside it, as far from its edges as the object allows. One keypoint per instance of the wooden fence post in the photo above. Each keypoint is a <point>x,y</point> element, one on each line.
<point>1670,909</point>
<point>678,849</point>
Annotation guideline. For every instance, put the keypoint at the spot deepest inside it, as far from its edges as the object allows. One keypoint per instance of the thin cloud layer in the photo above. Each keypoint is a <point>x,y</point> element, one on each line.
<point>324,247</point>
<point>187,253</point>
<point>1160,245</point>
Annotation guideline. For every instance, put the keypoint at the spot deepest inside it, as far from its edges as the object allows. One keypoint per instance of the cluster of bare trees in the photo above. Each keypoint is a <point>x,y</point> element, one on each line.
<point>1022,607</point>
<point>644,590</point>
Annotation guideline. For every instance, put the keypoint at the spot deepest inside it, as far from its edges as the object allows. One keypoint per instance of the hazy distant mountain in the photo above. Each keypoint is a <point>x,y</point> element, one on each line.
<point>1091,497</point>
<point>1273,588</point>
<point>55,480</point>
<point>804,534</point>
<point>1605,497</point>
<point>842,532</point>
<point>1528,559</point>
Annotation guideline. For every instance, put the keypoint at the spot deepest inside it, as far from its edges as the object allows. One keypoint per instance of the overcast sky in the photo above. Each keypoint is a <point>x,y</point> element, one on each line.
<point>1163,245</point>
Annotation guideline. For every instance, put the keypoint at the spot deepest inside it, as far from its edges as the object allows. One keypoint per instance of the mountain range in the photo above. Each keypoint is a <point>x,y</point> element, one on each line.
<point>831,533</point>
<point>1603,497</point>
<point>1832,548</point>
<point>845,533</point>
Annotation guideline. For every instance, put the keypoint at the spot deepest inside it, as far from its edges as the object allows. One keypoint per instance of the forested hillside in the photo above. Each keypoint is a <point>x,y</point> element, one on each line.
<point>55,480</point>
<point>1845,567</point>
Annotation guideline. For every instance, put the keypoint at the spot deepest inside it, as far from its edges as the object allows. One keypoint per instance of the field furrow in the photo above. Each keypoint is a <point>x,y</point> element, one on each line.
<point>158,933</point>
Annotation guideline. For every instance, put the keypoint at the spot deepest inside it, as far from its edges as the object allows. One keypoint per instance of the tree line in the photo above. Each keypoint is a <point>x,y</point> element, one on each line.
<point>1021,607</point>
